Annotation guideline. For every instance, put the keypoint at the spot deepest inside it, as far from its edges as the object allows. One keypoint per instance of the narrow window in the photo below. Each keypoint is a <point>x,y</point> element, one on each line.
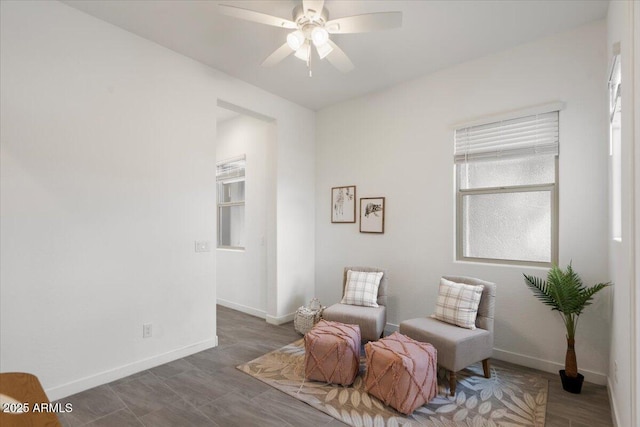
<point>230,177</point>
<point>506,179</point>
<point>615,146</point>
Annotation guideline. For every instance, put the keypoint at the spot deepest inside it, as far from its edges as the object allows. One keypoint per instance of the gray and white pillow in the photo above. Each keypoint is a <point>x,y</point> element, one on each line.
<point>362,288</point>
<point>458,303</point>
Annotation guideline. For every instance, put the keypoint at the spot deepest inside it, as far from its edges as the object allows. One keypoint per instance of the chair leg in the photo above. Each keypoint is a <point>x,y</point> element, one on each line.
<point>452,383</point>
<point>486,368</point>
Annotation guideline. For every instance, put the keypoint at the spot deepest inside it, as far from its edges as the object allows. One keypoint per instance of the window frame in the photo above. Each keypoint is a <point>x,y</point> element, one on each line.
<point>553,194</point>
<point>552,188</point>
<point>220,205</point>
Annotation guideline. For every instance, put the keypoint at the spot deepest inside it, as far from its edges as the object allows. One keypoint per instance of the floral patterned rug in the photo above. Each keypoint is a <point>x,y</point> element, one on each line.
<point>508,398</point>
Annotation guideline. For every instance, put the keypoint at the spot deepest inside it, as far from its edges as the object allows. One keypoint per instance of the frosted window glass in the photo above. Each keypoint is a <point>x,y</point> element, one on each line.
<point>509,226</point>
<point>507,172</point>
<point>231,226</point>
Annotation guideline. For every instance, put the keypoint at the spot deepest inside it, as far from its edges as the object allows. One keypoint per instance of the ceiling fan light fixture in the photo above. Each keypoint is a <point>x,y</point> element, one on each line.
<point>303,52</point>
<point>296,40</point>
<point>319,36</point>
<point>324,50</point>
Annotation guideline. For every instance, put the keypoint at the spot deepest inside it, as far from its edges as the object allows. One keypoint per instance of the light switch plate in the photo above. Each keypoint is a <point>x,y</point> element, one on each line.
<point>203,246</point>
<point>146,330</point>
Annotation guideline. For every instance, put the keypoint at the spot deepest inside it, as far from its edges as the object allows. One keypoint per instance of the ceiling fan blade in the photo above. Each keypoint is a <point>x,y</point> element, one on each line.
<point>259,17</point>
<point>364,23</point>
<point>277,56</point>
<point>313,5</point>
<point>339,59</point>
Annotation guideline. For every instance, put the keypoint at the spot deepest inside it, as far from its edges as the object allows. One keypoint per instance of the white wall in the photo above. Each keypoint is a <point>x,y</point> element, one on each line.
<point>635,286</point>
<point>107,178</point>
<point>399,144</point>
<point>241,275</point>
<point>622,254</point>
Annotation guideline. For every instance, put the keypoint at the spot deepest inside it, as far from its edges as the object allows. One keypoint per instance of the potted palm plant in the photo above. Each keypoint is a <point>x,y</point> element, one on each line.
<point>564,292</point>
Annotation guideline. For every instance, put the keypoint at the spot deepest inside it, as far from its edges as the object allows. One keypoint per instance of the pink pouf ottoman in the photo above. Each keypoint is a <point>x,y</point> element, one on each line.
<point>332,352</point>
<point>401,372</point>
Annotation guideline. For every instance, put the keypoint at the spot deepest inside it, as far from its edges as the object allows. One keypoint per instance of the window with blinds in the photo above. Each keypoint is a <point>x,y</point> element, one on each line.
<point>230,177</point>
<point>506,177</point>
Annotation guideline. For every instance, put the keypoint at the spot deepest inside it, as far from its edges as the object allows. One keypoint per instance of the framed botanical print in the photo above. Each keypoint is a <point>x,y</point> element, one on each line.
<point>343,204</point>
<point>372,214</point>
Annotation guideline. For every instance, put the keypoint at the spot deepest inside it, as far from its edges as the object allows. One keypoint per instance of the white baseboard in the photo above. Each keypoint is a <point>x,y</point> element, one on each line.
<point>105,377</point>
<point>545,365</point>
<point>274,320</point>
<point>529,362</point>
<point>243,308</point>
<point>280,319</point>
<point>612,401</point>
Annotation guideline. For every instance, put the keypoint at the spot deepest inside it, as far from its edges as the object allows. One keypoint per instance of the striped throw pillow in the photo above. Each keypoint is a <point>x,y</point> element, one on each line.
<point>458,303</point>
<point>362,288</point>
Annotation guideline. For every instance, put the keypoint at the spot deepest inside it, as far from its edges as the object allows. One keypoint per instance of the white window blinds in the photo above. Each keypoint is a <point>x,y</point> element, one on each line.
<point>523,136</point>
<point>229,169</point>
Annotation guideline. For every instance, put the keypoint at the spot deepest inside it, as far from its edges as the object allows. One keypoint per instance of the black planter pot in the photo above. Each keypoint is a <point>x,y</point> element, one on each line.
<point>572,385</point>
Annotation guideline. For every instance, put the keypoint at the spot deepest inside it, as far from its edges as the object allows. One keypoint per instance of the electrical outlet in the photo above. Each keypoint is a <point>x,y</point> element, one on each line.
<point>146,330</point>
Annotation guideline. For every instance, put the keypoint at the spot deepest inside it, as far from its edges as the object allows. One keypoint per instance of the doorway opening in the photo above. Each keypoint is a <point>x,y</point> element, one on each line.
<point>246,209</point>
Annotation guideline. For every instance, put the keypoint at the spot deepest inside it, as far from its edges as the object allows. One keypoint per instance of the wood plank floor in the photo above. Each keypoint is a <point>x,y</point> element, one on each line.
<point>205,389</point>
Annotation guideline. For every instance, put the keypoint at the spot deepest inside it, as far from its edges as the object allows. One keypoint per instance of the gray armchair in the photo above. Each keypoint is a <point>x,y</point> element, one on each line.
<point>459,347</point>
<point>371,320</point>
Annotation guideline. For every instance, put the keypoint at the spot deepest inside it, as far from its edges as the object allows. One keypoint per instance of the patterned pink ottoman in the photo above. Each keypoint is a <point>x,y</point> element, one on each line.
<point>401,372</point>
<point>332,352</point>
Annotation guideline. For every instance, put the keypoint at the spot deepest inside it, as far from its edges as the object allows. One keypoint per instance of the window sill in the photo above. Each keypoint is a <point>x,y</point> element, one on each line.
<point>505,263</point>
<point>230,249</point>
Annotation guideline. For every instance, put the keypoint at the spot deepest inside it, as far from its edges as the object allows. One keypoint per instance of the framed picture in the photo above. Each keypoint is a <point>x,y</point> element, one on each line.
<point>343,204</point>
<point>372,215</point>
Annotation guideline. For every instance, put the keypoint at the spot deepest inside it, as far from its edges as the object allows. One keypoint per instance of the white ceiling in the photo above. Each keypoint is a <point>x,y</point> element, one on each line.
<point>434,35</point>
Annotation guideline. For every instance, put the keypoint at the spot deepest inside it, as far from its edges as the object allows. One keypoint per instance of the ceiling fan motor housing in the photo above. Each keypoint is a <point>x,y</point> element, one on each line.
<point>306,22</point>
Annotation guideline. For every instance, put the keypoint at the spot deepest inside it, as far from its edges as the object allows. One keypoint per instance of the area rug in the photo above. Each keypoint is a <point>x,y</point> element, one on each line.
<point>507,399</point>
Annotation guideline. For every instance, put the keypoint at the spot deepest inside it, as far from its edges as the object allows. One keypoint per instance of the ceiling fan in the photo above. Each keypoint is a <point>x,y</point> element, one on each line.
<point>312,28</point>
